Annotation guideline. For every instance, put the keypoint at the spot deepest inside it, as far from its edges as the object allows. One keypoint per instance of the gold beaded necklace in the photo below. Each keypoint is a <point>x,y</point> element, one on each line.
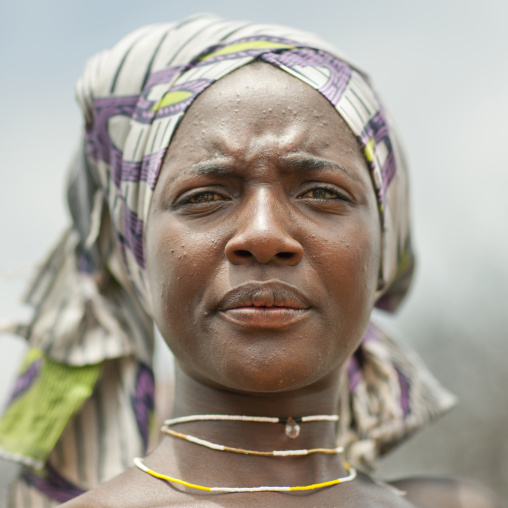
<point>292,430</point>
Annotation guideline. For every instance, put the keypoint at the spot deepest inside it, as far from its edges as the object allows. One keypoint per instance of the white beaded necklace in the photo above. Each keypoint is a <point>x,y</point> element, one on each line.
<point>292,430</point>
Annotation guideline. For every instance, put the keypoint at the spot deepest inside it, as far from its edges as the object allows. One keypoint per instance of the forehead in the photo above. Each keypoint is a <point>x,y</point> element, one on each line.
<point>258,112</point>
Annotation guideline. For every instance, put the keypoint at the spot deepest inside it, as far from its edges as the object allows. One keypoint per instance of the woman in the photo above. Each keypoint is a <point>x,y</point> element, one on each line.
<point>241,186</point>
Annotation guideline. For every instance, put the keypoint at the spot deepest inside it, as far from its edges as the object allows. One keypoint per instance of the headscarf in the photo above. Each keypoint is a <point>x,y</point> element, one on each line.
<point>93,314</point>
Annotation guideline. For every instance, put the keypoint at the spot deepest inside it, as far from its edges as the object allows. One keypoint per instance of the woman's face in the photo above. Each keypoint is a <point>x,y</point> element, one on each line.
<point>263,241</point>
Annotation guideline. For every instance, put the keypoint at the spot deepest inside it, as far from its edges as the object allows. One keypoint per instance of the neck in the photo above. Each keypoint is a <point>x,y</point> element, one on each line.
<point>194,398</point>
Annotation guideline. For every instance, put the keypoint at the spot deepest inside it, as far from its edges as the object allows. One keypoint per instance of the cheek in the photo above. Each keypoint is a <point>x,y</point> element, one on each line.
<point>162,251</point>
<point>348,262</point>
<point>179,262</point>
<point>165,253</point>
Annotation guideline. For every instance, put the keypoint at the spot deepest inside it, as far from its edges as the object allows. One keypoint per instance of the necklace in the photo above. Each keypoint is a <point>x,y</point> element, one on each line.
<point>292,429</point>
<point>274,453</point>
<point>351,476</point>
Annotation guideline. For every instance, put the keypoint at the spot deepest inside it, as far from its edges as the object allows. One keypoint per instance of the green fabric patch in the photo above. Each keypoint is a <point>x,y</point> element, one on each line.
<point>35,420</point>
<point>246,46</point>
<point>171,98</point>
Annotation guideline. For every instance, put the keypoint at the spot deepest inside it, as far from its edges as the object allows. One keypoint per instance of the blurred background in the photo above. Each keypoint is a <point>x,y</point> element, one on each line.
<point>441,67</point>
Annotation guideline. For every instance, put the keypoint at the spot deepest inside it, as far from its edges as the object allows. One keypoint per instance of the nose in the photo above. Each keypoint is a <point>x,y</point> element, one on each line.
<point>262,233</point>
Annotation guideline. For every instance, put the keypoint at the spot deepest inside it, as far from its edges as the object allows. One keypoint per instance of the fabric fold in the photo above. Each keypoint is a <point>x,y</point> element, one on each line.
<point>45,397</point>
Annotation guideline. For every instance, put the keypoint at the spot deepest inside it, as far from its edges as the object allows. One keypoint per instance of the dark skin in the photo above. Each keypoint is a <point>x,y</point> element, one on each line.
<point>263,254</point>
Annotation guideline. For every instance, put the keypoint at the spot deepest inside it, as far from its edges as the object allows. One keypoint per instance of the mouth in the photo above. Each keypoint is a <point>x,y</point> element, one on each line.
<point>268,304</point>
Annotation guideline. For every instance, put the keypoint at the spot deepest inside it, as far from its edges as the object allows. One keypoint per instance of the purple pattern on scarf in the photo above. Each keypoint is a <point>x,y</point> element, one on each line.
<point>52,485</point>
<point>98,141</point>
<point>194,87</point>
<point>377,129</point>
<point>147,170</point>
<point>405,386</point>
<point>143,400</point>
<point>152,166</point>
<point>132,237</point>
<point>25,380</point>
<point>145,113</point>
<point>163,76</point>
<point>340,72</point>
<point>254,52</point>
<point>389,167</point>
<point>99,145</point>
<point>354,372</point>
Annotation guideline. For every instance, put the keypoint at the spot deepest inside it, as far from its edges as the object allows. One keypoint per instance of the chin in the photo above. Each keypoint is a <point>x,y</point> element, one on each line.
<point>271,375</point>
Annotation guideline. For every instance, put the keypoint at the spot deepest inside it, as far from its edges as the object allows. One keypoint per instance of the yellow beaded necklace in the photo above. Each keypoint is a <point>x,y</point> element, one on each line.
<point>292,430</point>
<point>351,470</point>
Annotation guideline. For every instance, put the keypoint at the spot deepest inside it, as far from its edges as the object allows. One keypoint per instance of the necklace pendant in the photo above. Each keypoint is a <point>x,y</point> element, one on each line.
<point>292,429</point>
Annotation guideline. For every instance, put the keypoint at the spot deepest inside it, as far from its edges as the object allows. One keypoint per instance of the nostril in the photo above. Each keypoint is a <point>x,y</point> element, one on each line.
<point>243,253</point>
<point>263,249</point>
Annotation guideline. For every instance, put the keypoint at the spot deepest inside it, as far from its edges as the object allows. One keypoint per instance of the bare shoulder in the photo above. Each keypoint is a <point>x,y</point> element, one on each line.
<point>128,490</point>
<point>432,492</point>
<point>132,490</point>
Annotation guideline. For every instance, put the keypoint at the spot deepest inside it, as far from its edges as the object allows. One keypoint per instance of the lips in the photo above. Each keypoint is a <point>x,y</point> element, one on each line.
<point>268,304</point>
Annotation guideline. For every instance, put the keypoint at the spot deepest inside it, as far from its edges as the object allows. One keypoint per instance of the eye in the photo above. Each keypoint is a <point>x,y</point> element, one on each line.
<point>202,197</point>
<point>323,194</point>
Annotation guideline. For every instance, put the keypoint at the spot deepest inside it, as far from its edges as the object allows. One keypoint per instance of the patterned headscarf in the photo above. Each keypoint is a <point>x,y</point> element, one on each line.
<point>91,299</point>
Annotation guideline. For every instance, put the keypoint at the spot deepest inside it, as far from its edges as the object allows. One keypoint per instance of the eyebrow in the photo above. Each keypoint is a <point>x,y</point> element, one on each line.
<point>203,168</point>
<point>314,163</point>
<point>301,163</point>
